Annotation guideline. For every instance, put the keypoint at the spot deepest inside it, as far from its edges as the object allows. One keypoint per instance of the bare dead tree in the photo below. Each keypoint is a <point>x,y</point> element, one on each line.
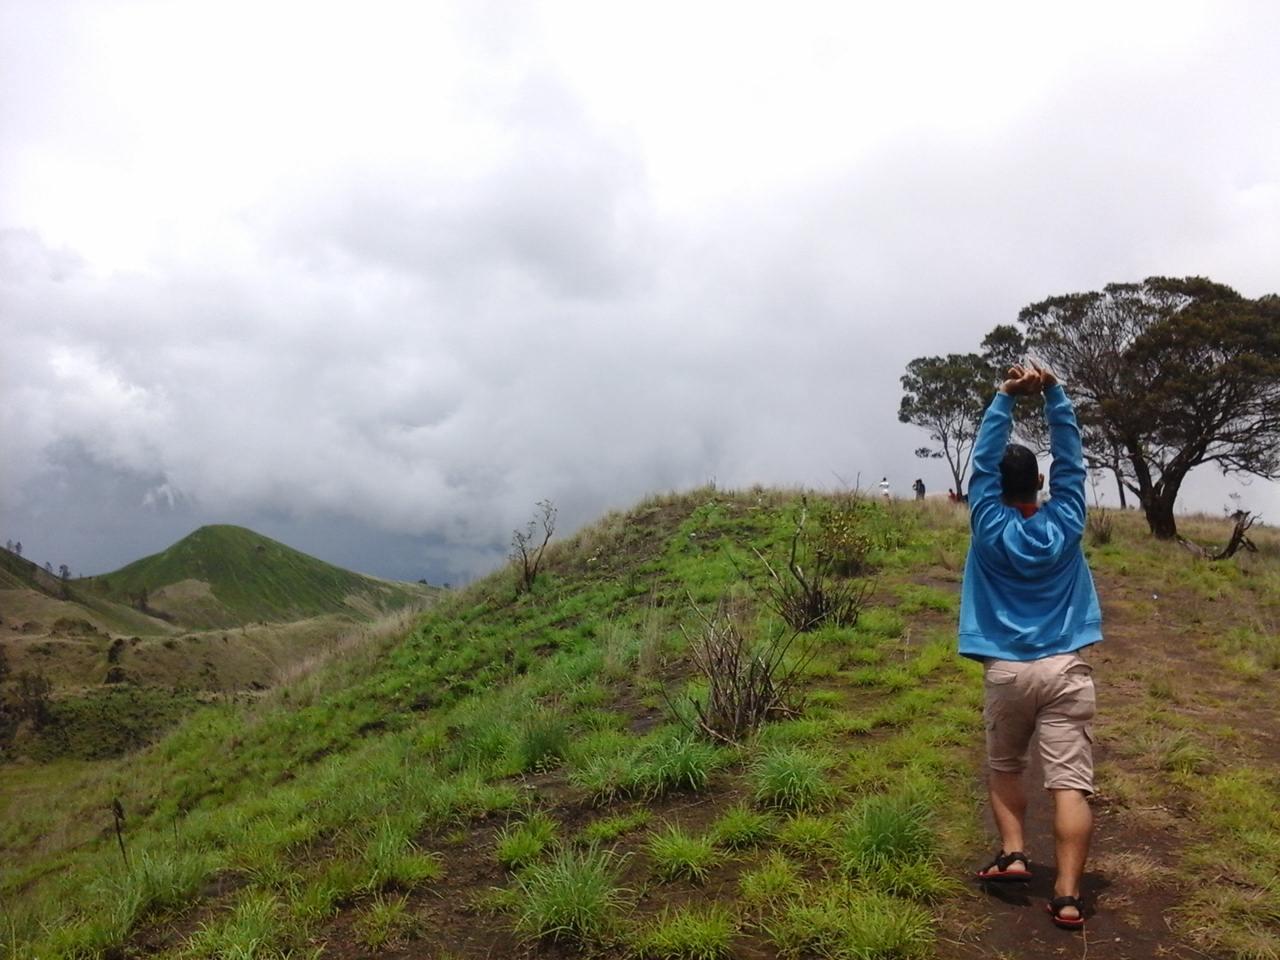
<point>747,683</point>
<point>527,550</point>
<point>1239,538</point>
<point>807,599</point>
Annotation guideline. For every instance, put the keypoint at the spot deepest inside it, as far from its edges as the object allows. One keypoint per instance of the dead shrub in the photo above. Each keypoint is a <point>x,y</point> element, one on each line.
<point>747,683</point>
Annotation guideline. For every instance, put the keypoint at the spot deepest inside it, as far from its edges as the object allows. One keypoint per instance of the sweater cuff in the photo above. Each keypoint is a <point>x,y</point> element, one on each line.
<point>1003,401</point>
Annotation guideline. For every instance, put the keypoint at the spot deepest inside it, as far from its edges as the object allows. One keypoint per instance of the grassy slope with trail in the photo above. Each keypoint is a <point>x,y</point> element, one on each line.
<point>527,745</point>
<point>224,576</point>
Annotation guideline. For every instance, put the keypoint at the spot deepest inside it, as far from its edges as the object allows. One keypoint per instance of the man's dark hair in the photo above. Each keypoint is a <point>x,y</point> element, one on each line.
<point>1019,474</point>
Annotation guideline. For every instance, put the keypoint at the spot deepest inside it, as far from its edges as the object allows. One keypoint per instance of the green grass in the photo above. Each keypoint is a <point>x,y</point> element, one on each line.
<point>254,928</point>
<point>808,835</point>
<point>689,933</point>
<point>792,778</point>
<point>678,855</point>
<point>740,828</point>
<point>393,862</point>
<point>315,811</point>
<point>847,922</point>
<point>574,897</point>
<point>610,828</point>
<point>543,741</point>
<point>522,843</point>
<point>774,880</point>
<point>385,922</point>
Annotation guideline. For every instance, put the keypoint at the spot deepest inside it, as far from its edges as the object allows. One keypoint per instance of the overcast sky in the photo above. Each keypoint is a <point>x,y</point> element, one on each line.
<point>373,278</point>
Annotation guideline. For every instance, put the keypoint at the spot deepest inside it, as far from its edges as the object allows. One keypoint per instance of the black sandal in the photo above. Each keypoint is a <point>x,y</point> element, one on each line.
<point>998,869</point>
<point>1055,907</point>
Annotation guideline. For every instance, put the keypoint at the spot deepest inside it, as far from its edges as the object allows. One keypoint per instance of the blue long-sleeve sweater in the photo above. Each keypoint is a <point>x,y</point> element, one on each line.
<point>1027,590</point>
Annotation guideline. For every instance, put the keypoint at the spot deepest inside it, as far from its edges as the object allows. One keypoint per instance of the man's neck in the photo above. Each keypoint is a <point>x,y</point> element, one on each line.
<point>1026,508</point>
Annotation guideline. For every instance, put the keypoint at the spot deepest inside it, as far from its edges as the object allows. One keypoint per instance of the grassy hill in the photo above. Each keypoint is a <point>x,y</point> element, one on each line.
<point>517,774</point>
<point>33,599</point>
<point>225,576</point>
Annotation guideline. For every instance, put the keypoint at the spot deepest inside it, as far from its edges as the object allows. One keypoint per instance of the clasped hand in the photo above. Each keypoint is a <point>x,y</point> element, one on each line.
<point>1028,380</point>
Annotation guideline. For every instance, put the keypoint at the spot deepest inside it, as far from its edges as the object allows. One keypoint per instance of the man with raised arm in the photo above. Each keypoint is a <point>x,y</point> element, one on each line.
<point>1027,609</point>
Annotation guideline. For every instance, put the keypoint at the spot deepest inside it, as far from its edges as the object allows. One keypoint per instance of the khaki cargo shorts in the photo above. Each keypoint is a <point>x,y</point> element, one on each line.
<point>1054,695</point>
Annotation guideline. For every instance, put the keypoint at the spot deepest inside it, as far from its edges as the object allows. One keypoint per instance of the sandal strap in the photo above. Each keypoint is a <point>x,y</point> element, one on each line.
<point>1004,859</point>
<point>1057,903</point>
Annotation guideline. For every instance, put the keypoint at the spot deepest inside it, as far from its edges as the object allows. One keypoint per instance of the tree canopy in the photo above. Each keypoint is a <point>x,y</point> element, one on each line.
<point>1166,375</point>
<point>947,396</point>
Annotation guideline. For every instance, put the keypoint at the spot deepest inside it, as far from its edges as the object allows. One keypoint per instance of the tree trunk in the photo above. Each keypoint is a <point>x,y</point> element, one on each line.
<point>1159,511</point>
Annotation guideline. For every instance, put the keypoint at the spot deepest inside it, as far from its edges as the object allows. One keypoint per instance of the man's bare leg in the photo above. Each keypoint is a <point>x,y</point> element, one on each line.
<point>1009,807</point>
<point>1072,829</point>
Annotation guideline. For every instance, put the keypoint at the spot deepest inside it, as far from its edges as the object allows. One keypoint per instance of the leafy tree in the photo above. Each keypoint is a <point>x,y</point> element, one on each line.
<point>1166,375</point>
<point>948,395</point>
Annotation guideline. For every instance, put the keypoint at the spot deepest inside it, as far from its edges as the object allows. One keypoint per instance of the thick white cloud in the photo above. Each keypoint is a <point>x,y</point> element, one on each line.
<point>413,268</point>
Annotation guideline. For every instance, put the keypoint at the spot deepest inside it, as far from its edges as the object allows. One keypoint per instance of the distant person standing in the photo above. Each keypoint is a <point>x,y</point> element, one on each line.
<point>884,487</point>
<point>1027,609</point>
<point>918,487</point>
<point>951,496</point>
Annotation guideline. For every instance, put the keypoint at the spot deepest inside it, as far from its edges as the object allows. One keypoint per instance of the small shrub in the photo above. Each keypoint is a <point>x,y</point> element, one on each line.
<point>741,827</point>
<point>813,594</point>
<point>521,844</point>
<point>678,855</point>
<point>1101,526</point>
<point>792,779</point>
<point>689,933</point>
<point>574,897</point>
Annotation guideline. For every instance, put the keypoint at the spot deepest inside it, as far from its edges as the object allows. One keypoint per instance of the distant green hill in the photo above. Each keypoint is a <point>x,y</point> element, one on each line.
<point>31,596</point>
<point>224,576</point>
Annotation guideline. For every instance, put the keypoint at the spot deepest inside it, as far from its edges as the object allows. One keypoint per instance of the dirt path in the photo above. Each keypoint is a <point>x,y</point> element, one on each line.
<point>1130,885</point>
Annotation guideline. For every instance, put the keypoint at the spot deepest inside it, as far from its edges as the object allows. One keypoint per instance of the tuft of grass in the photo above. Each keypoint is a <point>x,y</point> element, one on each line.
<point>574,897</point>
<point>741,827</point>
<point>253,929</point>
<point>792,778</point>
<point>320,898</point>
<point>772,882</point>
<point>886,831</point>
<point>542,743</point>
<point>611,828</point>
<point>679,855</point>
<point>385,922</point>
<point>917,597</point>
<point>808,835</point>
<point>522,843</point>
<point>845,922</point>
<point>689,933</point>
<point>393,861</point>
<point>674,763</point>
